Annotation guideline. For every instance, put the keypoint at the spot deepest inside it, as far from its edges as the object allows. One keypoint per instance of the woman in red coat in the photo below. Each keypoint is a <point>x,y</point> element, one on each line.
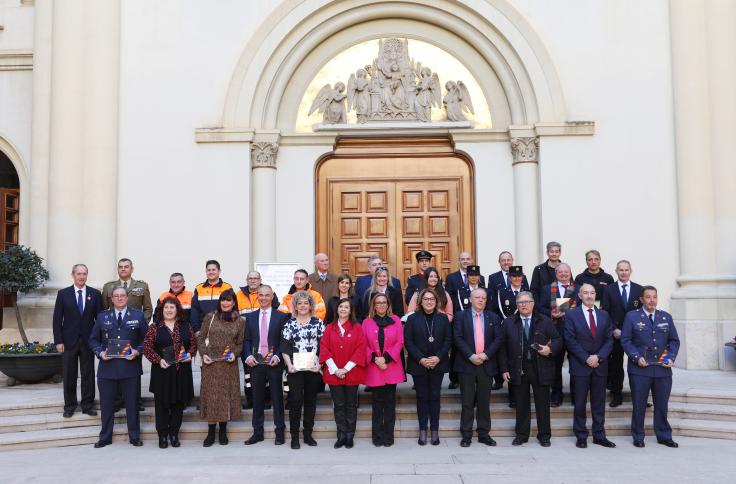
<point>343,353</point>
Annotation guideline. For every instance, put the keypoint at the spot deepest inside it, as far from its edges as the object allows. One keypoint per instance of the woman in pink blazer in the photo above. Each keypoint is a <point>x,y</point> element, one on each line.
<point>385,336</point>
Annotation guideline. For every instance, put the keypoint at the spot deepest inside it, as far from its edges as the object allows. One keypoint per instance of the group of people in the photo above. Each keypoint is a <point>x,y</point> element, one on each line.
<point>332,330</point>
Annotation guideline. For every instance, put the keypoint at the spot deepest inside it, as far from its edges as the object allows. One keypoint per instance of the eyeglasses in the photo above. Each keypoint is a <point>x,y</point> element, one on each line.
<point>428,299</point>
<point>524,302</point>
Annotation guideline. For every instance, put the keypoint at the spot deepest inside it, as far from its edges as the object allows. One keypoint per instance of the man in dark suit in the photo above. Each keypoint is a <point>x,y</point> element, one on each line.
<point>458,280</point>
<point>120,370</point>
<point>322,280</point>
<point>416,281</point>
<point>544,273</point>
<point>478,339</point>
<point>504,304</point>
<point>562,288</point>
<point>362,283</point>
<point>263,336</point>
<point>500,279</point>
<point>618,299</point>
<point>650,340</point>
<point>74,316</point>
<point>527,360</point>
<point>461,302</point>
<point>589,340</point>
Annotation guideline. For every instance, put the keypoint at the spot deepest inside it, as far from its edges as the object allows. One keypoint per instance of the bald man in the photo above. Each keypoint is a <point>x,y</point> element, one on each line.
<point>322,280</point>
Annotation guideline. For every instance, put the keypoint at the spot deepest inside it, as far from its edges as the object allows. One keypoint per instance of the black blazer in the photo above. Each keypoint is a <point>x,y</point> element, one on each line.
<point>252,338</point>
<point>513,350</point>
<point>581,344</point>
<point>332,307</point>
<point>416,341</point>
<point>394,296</point>
<point>614,306</point>
<point>464,339</point>
<point>68,324</point>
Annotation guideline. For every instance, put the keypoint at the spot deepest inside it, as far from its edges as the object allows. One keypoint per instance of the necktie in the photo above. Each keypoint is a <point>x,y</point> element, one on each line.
<point>125,285</point>
<point>323,277</point>
<point>120,320</point>
<point>624,295</point>
<point>564,287</point>
<point>506,278</point>
<point>263,345</point>
<point>516,293</point>
<point>591,321</point>
<point>465,278</point>
<point>526,328</point>
<point>479,336</point>
<point>651,318</point>
<point>80,301</point>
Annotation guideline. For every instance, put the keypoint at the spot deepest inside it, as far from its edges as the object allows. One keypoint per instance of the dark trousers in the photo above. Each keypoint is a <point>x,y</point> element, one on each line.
<point>522,393</point>
<point>559,361</point>
<point>581,386</point>
<point>454,378</point>
<point>303,389</point>
<point>130,388</point>
<point>73,353</point>
<point>345,404</point>
<point>428,388</point>
<point>248,386</point>
<point>660,388</point>
<point>475,395</point>
<point>616,368</point>
<point>168,419</point>
<point>263,377</point>
<point>384,412</point>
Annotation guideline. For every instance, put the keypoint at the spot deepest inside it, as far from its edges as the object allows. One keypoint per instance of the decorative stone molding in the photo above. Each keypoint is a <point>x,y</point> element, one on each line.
<point>525,150</point>
<point>263,154</point>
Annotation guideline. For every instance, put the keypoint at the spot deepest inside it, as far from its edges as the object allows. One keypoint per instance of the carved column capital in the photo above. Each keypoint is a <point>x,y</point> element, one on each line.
<point>525,149</point>
<point>263,154</point>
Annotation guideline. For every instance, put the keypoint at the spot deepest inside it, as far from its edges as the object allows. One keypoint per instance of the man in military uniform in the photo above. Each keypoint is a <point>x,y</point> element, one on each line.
<point>460,279</point>
<point>416,281</point>
<point>544,273</point>
<point>505,303</point>
<point>139,297</point>
<point>650,340</point>
<point>112,329</point>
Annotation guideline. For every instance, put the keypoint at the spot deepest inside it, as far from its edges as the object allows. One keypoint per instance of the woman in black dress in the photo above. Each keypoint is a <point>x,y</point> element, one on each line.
<point>172,339</point>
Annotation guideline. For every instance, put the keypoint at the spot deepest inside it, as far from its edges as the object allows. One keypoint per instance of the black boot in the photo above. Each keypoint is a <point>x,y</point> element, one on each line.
<point>174,439</point>
<point>162,441</point>
<point>435,437</point>
<point>223,433</point>
<point>340,440</point>
<point>210,439</point>
<point>308,439</point>
<point>295,440</point>
<point>349,440</point>
<point>422,437</point>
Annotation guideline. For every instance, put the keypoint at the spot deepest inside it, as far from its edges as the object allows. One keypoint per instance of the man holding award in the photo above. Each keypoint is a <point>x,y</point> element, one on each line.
<point>650,340</point>
<point>261,350</point>
<point>117,339</point>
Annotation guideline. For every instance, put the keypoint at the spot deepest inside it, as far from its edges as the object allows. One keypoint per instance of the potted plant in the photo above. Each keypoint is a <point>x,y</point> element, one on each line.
<point>22,270</point>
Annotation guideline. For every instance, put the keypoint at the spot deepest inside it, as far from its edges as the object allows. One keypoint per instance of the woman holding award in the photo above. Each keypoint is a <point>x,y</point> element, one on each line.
<point>169,346</point>
<point>385,342</point>
<point>300,346</point>
<point>428,337</point>
<point>342,350</point>
<point>220,344</point>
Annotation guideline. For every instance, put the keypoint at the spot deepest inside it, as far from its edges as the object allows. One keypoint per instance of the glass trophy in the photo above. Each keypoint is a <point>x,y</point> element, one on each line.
<point>168,355</point>
<point>226,354</point>
<point>657,359</point>
<point>183,355</point>
<point>119,348</point>
<point>263,359</point>
<point>303,360</point>
<point>540,339</point>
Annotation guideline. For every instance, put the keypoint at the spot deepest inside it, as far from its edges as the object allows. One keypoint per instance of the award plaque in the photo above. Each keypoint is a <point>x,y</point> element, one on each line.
<point>539,340</point>
<point>654,359</point>
<point>168,355</point>
<point>563,304</point>
<point>183,355</point>
<point>263,359</point>
<point>303,360</point>
<point>119,348</point>
<point>225,356</point>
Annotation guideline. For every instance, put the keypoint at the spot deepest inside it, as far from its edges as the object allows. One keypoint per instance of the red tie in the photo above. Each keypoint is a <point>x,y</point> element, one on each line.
<point>565,288</point>
<point>263,340</point>
<point>591,320</point>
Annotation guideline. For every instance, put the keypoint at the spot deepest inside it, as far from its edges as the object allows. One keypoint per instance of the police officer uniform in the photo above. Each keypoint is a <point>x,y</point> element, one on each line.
<point>504,303</point>
<point>128,324</point>
<point>461,297</point>
<point>650,337</point>
<point>416,281</point>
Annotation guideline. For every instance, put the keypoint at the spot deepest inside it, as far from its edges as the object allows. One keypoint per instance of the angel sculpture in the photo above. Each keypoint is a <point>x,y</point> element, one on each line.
<point>359,96</point>
<point>429,94</point>
<point>331,103</point>
<point>457,100</point>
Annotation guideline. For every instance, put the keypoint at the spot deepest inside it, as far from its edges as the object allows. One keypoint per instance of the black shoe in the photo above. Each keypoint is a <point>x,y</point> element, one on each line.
<point>135,442</point>
<point>669,443</point>
<point>309,440</point>
<point>581,444</point>
<point>512,404</point>
<point>279,440</point>
<point>519,441</point>
<point>295,442</point>
<point>117,408</point>
<point>174,439</point>
<point>388,442</point>
<point>434,437</point>
<point>378,442</point>
<point>616,400</point>
<point>68,413</point>
<point>91,412</point>
<point>453,385</point>
<point>254,439</point>
<point>545,443</point>
<point>247,405</point>
<point>639,443</point>
<point>555,404</point>
<point>162,442</point>
<point>649,404</point>
<point>349,443</point>
<point>102,443</point>
<point>604,442</point>
<point>486,439</point>
<point>267,406</point>
<point>422,440</point>
<point>465,442</point>
<point>222,436</point>
<point>340,440</point>
<point>141,408</point>
<point>210,439</point>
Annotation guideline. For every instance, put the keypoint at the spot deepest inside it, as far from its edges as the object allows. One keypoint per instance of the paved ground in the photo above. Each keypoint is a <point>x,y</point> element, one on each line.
<point>696,461</point>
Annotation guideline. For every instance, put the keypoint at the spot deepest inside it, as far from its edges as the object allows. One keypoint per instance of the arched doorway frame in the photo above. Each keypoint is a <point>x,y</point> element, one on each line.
<point>20,168</point>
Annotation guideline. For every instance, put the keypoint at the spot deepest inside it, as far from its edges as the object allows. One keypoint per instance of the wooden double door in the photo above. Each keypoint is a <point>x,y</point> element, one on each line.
<point>393,198</point>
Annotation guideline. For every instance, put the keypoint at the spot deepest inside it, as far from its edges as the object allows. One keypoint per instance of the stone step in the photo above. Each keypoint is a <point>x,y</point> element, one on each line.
<point>193,432</point>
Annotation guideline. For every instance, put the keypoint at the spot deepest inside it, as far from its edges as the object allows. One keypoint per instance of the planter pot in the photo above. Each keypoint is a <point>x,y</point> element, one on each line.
<point>31,368</point>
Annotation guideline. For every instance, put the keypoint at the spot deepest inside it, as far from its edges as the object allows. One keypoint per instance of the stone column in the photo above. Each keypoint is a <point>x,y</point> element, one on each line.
<point>704,306</point>
<point>525,151</point>
<point>263,199</point>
